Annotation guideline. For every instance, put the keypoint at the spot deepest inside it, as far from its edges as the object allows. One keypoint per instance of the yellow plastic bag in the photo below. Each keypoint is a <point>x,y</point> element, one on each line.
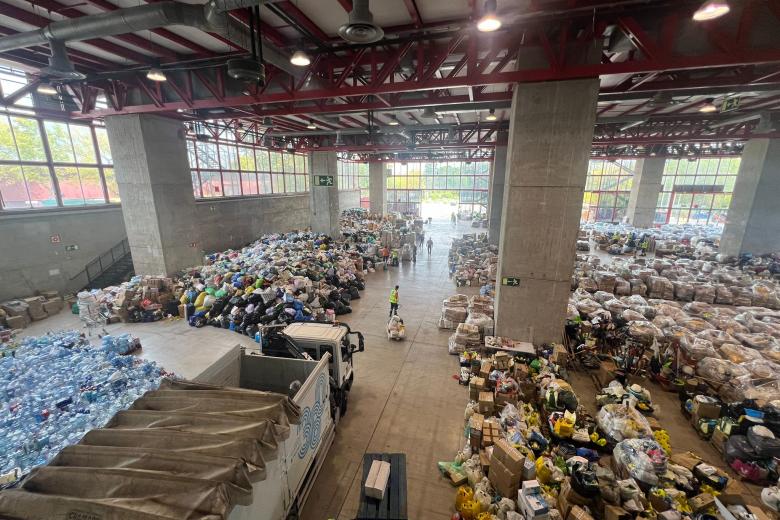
<point>470,510</point>
<point>199,300</point>
<point>464,494</point>
<point>543,472</point>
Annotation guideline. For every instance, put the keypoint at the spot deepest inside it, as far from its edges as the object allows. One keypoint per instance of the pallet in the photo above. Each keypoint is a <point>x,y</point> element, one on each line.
<point>393,506</point>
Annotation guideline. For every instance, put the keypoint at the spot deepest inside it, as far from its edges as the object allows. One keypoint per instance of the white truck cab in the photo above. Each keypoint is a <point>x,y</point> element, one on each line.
<point>313,340</point>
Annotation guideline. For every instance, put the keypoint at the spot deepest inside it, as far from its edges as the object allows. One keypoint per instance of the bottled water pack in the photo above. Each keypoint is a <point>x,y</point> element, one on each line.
<point>57,387</point>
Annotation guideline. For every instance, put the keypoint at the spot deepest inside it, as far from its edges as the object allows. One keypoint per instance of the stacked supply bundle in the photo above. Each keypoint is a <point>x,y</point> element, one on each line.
<point>466,336</point>
<point>453,311</point>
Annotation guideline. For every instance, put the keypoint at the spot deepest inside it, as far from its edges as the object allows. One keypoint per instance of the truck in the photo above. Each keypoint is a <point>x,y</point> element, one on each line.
<point>311,362</point>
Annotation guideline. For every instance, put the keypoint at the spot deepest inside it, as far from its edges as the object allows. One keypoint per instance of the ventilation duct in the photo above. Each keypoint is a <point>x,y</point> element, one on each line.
<point>59,64</point>
<point>212,17</point>
<point>361,27</point>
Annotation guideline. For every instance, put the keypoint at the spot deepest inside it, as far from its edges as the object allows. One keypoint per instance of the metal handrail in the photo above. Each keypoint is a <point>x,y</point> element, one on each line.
<point>101,263</point>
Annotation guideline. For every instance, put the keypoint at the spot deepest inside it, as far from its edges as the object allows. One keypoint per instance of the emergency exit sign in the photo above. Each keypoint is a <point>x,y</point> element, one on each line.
<point>323,180</point>
<point>510,281</point>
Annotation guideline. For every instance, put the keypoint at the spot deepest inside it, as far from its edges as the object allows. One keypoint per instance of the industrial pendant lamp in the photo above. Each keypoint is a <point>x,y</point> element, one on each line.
<point>491,115</point>
<point>708,107</point>
<point>711,9</point>
<point>155,74</point>
<point>46,88</point>
<point>394,121</point>
<point>489,21</point>
<point>300,59</point>
<point>312,125</point>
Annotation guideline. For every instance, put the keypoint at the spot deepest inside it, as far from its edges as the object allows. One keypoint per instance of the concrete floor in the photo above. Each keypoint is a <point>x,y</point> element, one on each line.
<point>404,399</point>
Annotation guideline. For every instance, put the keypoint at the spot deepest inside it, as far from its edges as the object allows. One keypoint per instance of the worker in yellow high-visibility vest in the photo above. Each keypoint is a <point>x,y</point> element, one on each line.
<point>394,301</point>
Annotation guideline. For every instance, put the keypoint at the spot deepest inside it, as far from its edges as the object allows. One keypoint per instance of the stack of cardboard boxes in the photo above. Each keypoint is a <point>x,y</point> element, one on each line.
<point>18,314</point>
<point>153,293</point>
<point>506,468</point>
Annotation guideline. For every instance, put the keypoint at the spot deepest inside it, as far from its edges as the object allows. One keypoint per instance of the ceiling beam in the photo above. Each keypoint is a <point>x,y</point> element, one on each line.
<point>414,13</point>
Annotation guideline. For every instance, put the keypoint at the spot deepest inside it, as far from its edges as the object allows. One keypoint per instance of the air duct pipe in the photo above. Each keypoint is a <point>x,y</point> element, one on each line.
<point>211,17</point>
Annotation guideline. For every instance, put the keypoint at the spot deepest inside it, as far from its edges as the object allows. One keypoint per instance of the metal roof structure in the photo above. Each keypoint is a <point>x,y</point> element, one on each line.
<point>657,67</point>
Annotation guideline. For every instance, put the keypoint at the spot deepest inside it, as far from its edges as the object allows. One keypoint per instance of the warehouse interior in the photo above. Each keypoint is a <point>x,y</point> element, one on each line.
<point>578,202</point>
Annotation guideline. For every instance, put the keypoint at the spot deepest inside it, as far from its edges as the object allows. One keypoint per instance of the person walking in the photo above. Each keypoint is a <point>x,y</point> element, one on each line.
<point>394,301</point>
<point>414,253</point>
<point>430,246</point>
<point>385,257</point>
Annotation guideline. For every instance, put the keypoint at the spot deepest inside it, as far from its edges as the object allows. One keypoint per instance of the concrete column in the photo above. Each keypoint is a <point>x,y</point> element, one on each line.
<point>644,191</point>
<point>158,206</point>
<point>377,188</point>
<point>324,199</point>
<point>752,224</point>
<point>496,203</point>
<point>550,138</point>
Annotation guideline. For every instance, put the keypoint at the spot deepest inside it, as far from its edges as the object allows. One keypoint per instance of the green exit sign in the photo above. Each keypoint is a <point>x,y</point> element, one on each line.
<point>323,180</point>
<point>730,104</point>
<point>510,281</point>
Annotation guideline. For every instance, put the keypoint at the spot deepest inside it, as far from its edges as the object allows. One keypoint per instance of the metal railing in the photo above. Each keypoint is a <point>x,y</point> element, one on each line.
<point>101,264</point>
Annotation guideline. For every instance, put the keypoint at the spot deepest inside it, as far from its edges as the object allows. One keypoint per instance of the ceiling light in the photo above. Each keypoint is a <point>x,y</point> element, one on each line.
<point>311,125</point>
<point>267,121</point>
<point>710,10</point>
<point>300,59</point>
<point>156,74</point>
<point>489,21</point>
<point>708,107</point>
<point>491,115</point>
<point>46,88</point>
<point>428,112</point>
<point>393,121</point>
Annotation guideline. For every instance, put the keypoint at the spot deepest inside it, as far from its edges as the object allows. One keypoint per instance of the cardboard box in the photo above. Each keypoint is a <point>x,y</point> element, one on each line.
<point>578,513</point>
<point>376,481</point>
<point>685,459</point>
<point>502,478</point>
<point>501,360</point>
<point>485,369</point>
<point>527,391</point>
<point>36,308</point>
<point>560,355</point>
<point>533,507</point>
<point>486,402</point>
<point>476,385</point>
<point>759,513</point>
<point>612,512</point>
<point>705,410</point>
<point>606,373</point>
<point>491,432</point>
<point>568,498</point>
<point>16,322</point>
<point>509,456</point>
<point>501,399</point>
<point>484,461</point>
<point>701,502</point>
<point>475,431</point>
<point>53,306</point>
<point>718,440</point>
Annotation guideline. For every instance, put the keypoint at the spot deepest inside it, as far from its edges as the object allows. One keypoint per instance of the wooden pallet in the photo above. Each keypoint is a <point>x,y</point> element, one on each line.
<point>393,506</point>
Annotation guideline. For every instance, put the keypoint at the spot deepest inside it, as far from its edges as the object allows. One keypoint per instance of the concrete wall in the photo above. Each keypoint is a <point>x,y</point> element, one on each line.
<point>232,223</point>
<point>153,176</point>
<point>752,225</point>
<point>349,199</point>
<point>30,262</point>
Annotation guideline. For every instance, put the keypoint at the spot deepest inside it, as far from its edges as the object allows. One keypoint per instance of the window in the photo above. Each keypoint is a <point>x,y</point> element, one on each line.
<point>696,192</point>
<point>463,183</point>
<point>231,167</point>
<point>77,156</point>
<point>348,175</point>
<point>607,190</point>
